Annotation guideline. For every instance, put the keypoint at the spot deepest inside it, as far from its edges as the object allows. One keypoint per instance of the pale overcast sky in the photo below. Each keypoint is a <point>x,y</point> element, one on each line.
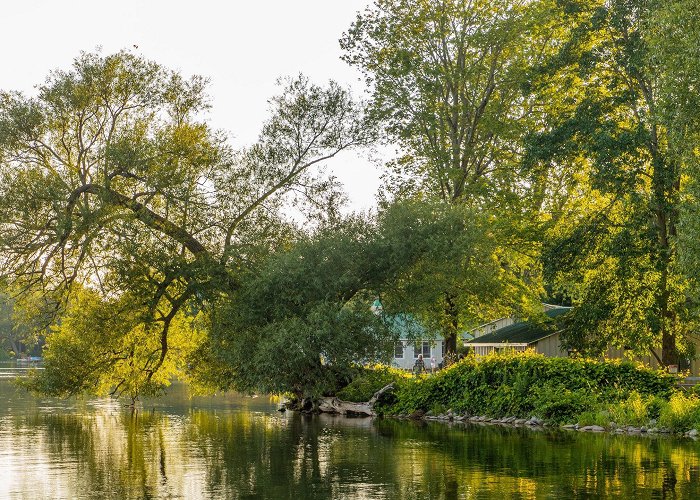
<point>243,47</point>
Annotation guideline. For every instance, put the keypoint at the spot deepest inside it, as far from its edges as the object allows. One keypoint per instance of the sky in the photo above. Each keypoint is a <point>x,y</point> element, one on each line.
<point>243,47</point>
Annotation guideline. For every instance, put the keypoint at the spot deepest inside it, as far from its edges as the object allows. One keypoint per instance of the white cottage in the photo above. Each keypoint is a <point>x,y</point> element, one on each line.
<point>406,352</point>
<point>415,340</point>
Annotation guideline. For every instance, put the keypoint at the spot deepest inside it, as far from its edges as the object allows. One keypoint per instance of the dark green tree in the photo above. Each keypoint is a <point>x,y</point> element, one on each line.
<point>301,321</point>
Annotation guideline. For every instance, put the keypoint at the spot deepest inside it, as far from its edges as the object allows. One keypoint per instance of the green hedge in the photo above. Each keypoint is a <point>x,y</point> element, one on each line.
<point>528,384</point>
<point>369,381</point>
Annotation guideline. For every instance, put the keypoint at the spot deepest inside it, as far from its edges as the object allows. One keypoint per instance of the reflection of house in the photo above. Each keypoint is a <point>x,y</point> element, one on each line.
<point>544,338</point>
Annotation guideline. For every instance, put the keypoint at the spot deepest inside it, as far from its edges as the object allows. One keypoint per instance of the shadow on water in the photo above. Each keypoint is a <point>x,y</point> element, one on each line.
<point>236,447</point>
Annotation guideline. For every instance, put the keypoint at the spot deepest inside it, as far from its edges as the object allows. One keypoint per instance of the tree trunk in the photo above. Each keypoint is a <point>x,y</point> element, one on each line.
<point>335,405</point>
<point>450,332</point>
<point>669,353</point>
<point>665,191</point>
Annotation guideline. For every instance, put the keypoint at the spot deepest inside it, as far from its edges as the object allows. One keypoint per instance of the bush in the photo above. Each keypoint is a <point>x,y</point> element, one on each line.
<point>681,413</point>
<point>559,404</point>
<point>594,417</point>
<point>636,410</point>
<point>368,382</point>
<point>529,384</point>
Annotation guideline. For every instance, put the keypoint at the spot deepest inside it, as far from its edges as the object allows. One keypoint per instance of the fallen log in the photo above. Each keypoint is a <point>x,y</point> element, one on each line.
<point>335,405</point>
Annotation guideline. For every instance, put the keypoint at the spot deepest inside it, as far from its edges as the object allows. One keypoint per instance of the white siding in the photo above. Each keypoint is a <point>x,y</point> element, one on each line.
<point>408,360</point>
<point>550,346</point>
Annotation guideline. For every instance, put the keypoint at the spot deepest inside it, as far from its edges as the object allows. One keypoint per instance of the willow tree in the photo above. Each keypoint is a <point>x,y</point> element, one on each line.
<point>446,80</point>
<point>130,217</point>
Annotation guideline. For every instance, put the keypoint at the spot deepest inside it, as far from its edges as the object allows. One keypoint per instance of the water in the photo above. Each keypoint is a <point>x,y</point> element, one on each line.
<point>239,447</point>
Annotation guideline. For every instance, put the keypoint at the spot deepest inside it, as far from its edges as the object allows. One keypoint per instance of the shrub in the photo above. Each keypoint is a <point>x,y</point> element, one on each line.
<point>681,413</point>
<point>557,403</point>
<point>527,384</point>
<point>636,410</point>
<point>369,381</point>
<point>593,417</point>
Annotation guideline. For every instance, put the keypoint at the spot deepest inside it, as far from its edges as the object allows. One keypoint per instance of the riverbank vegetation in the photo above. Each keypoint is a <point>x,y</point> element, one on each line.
<point>525,385</point>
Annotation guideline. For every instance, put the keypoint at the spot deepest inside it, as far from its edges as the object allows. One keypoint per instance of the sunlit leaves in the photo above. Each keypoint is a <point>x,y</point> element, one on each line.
<point>618,260</point>
<point>113,186</point>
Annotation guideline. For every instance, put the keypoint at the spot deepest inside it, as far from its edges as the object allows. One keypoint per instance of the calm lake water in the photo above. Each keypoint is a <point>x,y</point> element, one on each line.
<point>239,447</point>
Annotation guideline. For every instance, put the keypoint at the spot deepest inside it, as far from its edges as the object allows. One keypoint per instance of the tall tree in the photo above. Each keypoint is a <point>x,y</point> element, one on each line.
<point>116,194</point>
<point>673,34</point>
<point>446,80</point>
<point>615,253</point>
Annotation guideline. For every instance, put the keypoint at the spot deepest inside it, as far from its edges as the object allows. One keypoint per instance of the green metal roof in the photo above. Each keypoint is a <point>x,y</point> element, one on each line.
<point>406,326</point>
<point>525,332</point>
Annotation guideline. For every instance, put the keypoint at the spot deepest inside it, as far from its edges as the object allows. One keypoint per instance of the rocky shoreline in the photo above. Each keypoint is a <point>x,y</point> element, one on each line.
<point>535,423</point>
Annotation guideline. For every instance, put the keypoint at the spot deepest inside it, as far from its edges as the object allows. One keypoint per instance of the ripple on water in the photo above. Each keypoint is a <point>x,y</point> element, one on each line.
<point>233,447</point>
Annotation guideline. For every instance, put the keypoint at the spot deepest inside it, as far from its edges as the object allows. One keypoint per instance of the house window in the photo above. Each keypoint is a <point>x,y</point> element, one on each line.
<point>421,348</point>
<point>398,350</point>
<point>442,348</point>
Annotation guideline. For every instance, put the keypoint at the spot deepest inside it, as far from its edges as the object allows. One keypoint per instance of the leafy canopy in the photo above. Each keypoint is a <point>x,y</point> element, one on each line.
<point>120,206</point>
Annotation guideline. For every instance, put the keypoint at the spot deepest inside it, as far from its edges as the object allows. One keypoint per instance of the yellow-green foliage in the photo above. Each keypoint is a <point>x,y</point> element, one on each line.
<point>682,412</point>
<point>636,410</point>
<point>127,358</point>
<point>526,384</point>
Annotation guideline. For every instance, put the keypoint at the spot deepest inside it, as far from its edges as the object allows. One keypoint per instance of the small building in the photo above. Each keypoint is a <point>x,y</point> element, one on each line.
<point>519,336</point>
<point>406,352</point>
<point>415,340</point>
<point>545,338</point>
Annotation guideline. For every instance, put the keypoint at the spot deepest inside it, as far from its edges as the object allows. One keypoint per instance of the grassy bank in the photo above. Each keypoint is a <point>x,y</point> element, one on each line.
<point>523,385</point>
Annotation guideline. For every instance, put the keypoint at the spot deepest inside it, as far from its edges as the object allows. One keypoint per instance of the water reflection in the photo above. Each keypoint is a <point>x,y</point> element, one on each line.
<point>234,447</point>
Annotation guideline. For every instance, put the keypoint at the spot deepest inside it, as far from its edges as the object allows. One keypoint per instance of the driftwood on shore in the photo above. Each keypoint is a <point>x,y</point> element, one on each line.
<point>335,405</point>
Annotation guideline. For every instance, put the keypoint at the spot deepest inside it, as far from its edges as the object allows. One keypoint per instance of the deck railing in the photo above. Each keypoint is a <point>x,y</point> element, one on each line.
<point>482,349</point>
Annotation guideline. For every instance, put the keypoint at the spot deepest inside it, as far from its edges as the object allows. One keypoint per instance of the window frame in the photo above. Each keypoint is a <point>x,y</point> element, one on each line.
<point>420,348</point>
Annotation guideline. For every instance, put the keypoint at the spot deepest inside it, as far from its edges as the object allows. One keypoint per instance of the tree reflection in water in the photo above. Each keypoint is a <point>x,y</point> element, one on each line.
<point>232,447</point>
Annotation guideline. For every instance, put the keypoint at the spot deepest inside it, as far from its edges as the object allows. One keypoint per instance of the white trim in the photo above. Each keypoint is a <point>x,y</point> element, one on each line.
<point>496,344</point>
